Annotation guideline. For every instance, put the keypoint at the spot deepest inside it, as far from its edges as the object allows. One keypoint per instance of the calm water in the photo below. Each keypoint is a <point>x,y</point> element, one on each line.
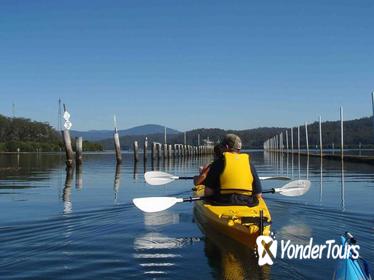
<point>83,225</point>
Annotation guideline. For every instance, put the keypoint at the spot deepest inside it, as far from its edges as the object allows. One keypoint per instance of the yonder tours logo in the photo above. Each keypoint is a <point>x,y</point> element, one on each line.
<point>267,248</point>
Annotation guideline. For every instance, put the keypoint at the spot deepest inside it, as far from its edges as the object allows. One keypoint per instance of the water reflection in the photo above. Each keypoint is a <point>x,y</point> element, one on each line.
<point>321,180</point>
<point>158,253</point>
<point>66,196</point>
<point>156,240</point>
<point>161,218</point>
<point>342,187</point>
<point>297,232</point>
<point>135,171</point>
<point>78,177</point>
<point>228,258</point>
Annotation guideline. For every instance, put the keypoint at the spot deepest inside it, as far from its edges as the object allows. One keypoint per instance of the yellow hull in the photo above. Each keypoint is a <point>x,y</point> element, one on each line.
<point>237,222</point>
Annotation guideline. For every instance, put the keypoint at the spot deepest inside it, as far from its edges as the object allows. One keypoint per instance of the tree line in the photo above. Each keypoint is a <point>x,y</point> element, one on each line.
<point>32,136</point>
<point>356,132</point>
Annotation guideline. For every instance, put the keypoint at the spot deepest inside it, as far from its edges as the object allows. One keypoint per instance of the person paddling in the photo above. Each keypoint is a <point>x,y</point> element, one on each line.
<point>232,178</point>
<point>218,150</point>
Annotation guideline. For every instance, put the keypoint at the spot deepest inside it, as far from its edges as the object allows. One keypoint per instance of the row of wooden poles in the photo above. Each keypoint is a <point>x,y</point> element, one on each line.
<point>158,150</point>
<point>276,143</point>
<point>167,151</point>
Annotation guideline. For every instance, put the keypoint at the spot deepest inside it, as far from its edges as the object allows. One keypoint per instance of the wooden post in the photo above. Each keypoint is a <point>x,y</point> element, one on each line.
<point>136,147</point>
<point>281,141</point>
<point>298,138</point>
<point>159,150</point>
<point>145,149</point>
<point>372,102</point>
<point>341,132</point>
<point>153,151</point>
<point>287,141</point>
<point>320,137</point>
<point>68,148</point>
<point>165,136</point>
<point>170,151</point>
<point>117,147</point>
<point>165,150</point>
<point>306,138</point>
<point>78,150</point>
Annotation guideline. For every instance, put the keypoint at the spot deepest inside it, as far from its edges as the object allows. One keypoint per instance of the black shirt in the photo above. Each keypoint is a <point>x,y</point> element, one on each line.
<point>212,180</point>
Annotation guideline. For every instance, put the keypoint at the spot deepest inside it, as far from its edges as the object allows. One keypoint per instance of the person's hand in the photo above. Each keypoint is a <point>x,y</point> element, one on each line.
<point>203,169</point>
<point>259,195</point>
<point>208,191</point>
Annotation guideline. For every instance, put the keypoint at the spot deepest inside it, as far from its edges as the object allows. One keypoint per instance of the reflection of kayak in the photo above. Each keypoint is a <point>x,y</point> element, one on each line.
<point>241,223</point>
<point>228,258</point>
<point>351,269</point>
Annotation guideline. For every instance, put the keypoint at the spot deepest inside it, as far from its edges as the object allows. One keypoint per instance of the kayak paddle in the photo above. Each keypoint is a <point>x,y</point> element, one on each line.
<point>157,178</point>
<point>157,204</point>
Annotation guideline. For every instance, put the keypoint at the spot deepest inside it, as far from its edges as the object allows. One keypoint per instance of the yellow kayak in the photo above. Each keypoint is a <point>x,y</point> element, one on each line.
<point>241,223</point>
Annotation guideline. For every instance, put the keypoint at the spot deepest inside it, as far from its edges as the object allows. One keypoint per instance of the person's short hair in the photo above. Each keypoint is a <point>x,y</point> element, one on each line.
<point>219,149</point>
<point>233,141</point>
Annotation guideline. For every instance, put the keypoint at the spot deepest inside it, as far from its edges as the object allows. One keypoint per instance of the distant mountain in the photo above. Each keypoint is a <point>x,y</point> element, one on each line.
<point>97,135</point>
<point>355,132</point>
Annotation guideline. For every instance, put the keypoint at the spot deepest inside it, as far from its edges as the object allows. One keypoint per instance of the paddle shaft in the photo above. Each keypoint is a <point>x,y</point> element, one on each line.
<point>191,199</point>
<point>269,191</point>
<point>185,178</point>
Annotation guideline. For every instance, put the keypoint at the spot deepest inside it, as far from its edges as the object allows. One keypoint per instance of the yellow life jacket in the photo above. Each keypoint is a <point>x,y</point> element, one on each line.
<point>237,175</point>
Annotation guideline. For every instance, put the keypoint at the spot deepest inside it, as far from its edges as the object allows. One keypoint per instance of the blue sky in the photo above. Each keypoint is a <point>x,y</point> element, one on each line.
<point>187,64</point>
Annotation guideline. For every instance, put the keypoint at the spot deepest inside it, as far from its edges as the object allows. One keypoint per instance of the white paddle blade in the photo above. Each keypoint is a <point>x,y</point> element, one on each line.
<point>157,178</point>
<point>295,188</point>
<point>155,204</point>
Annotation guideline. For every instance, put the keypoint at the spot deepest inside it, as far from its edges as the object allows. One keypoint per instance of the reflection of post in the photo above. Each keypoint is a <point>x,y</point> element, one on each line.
<point>321,181</point>
<point>117,181</point>
<point>78,177</point>
<point>307,166</point>
<point>78,150</point>
<point>66,196</point>
<point>342,188</point>
<point>135,169</point>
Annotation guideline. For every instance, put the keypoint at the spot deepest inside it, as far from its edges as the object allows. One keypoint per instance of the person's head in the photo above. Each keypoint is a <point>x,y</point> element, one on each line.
<point>219,149</point>
<point>232,143</point>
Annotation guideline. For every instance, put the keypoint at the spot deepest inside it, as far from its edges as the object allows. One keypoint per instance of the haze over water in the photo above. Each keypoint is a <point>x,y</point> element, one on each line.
<point>85,226</point>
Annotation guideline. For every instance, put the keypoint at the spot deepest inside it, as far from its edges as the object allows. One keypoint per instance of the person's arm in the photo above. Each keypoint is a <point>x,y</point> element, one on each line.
<point>257,187</point>
<point>211,182</point>
<point>198,180</point>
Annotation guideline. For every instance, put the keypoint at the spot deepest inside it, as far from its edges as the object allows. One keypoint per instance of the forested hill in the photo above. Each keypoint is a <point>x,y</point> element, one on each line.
<point>31,136</point>
<point>355,132</point>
